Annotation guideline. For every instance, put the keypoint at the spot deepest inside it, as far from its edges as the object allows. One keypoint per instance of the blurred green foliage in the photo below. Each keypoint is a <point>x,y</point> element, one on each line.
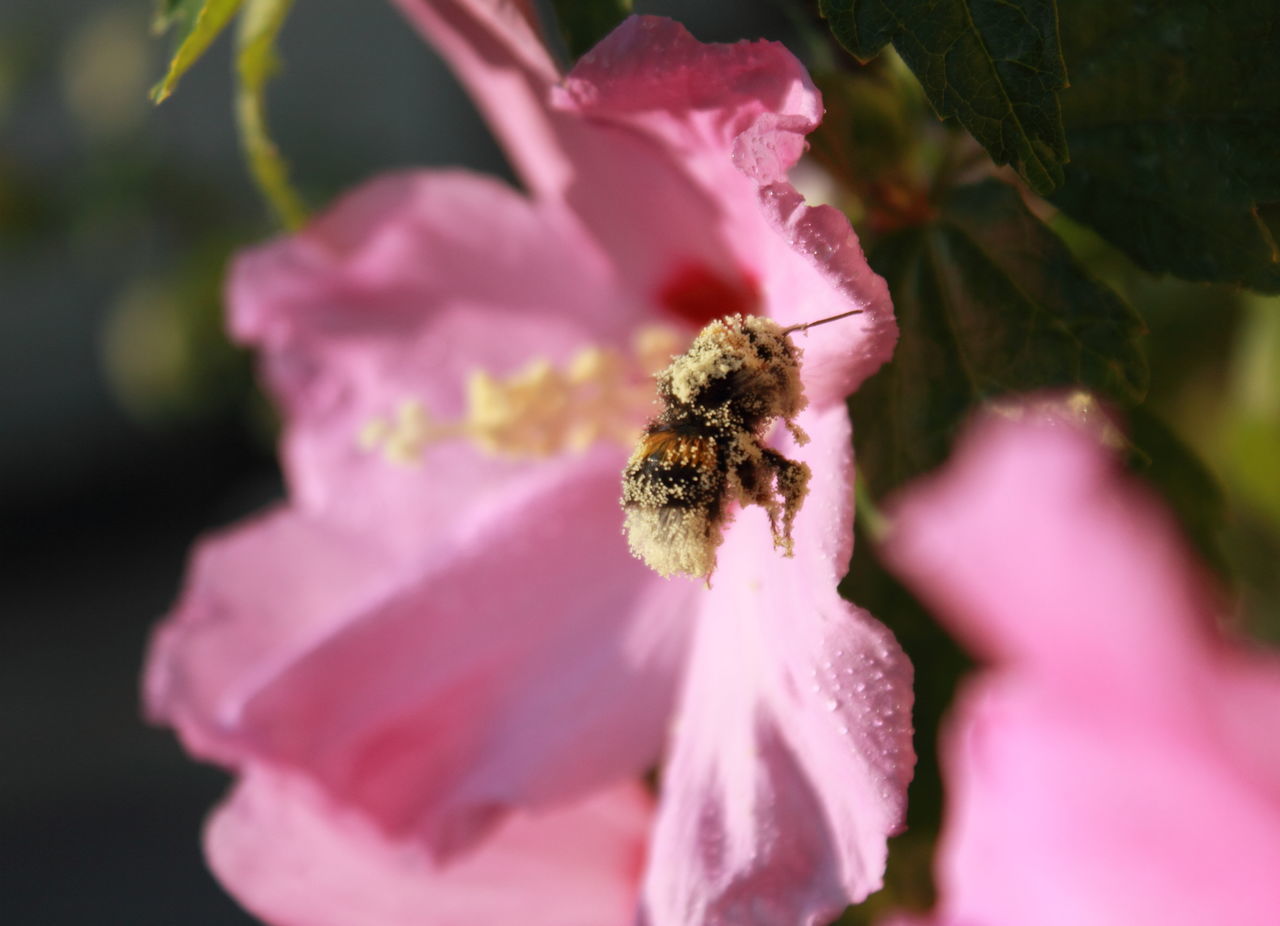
<point>165,351</point>
<point>1167,130</point>
<point>989,303</point>
<point>256,61</point>
<point>994,65</point>
<point>1171,120</point>
<point>197,23</point>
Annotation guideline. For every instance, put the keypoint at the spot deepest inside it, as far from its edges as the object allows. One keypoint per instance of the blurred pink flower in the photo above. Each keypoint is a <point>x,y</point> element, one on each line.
<point>426,675</point>
<point>1118,761</point>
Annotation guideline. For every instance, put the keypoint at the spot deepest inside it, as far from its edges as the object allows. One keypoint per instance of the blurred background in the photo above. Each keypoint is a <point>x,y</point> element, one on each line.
<point>128,425</point>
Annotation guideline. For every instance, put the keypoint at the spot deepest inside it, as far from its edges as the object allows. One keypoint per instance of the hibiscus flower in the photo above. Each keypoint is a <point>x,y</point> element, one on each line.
<point>436,669</point>
<point>1116,761</point>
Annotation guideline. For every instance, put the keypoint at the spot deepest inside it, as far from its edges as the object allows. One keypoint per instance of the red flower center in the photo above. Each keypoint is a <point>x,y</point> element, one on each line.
<point>697,294</point>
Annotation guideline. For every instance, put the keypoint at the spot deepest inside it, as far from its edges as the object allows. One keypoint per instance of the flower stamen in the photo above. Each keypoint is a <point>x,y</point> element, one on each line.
<point>540,410</point>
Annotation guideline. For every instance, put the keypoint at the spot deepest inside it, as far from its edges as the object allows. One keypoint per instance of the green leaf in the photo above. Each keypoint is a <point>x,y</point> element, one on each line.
<point>170,12</point>
<point>989,301</point>
<point>994,65</point>
<point>870,138</point>
<point>256,62</point>
<point>583,23</point>
<point>200,24</point>
<point>1172,120</point>
<point>1160,457</point>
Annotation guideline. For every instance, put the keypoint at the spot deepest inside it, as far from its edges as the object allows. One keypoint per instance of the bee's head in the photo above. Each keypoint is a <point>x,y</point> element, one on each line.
<point>742,366</point>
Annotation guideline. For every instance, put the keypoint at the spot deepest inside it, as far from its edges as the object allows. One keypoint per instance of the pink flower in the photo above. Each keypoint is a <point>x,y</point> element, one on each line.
<point>1118,761</point>
<point>436,680</point>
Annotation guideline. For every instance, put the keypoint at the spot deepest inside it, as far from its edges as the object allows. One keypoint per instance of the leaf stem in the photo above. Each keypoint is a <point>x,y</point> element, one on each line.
<point>259,24</point>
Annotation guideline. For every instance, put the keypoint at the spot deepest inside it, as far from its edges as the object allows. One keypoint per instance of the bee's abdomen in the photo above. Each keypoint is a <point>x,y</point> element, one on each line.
<point>671,469</point>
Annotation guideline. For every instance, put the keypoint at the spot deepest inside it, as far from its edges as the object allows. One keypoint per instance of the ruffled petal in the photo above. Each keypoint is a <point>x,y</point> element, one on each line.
<point>820,273</point>
<point>537,664</point>
<point>294,857</point>
<point>729,121</point>
<point>753,101</point>
<point>676,157</point>
<point>792,750</point>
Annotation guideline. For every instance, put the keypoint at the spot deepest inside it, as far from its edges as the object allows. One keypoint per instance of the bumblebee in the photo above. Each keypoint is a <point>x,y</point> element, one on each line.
<point>706,448</point>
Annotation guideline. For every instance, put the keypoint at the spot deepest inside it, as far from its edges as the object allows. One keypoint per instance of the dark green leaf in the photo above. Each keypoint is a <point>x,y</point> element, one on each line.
<point>989,301</point>
<point>1173,118</point>
<point>583,23</point>
<point>994,65</point>
<point>1172,468</point>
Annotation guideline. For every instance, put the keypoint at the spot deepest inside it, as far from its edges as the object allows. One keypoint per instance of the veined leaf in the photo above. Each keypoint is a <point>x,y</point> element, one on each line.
<point>989,302</point>
<point>1172,117</point>
<point>200,23</point>
<point>994,65</point>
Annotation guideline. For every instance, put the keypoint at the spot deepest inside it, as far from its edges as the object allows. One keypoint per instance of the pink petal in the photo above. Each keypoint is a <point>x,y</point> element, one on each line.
<point>1042,557</point>
<point>398,293</point>
<point>676,155</point>
<point>480,646</point>
<point>823,273</point>
<point>793,738</point>
<point>535,664</point>
<point>1060,820</point>
<point>705,100</point>
<point>723,126</point>
<point>495,49</point>
<point>316,637</point>
<point>1118,764</point>
<point>293,857</point>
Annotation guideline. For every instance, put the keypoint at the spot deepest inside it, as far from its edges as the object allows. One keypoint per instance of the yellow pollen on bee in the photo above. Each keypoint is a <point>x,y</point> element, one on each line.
<point>540,410</point>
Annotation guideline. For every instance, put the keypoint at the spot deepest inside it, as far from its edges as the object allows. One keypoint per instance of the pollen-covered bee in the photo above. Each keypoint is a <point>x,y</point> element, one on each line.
<point>705,449</point>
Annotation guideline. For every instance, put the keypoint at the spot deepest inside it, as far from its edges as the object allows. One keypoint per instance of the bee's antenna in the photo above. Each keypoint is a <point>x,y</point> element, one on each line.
<point>821,321</point>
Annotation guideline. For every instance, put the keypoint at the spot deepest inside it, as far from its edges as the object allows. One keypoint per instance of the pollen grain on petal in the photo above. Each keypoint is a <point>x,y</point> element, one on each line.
<point>402,436</point>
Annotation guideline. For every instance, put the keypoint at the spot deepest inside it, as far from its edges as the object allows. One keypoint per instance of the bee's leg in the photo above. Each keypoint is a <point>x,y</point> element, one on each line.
<point>751,476</point>
<point>792,482</point>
